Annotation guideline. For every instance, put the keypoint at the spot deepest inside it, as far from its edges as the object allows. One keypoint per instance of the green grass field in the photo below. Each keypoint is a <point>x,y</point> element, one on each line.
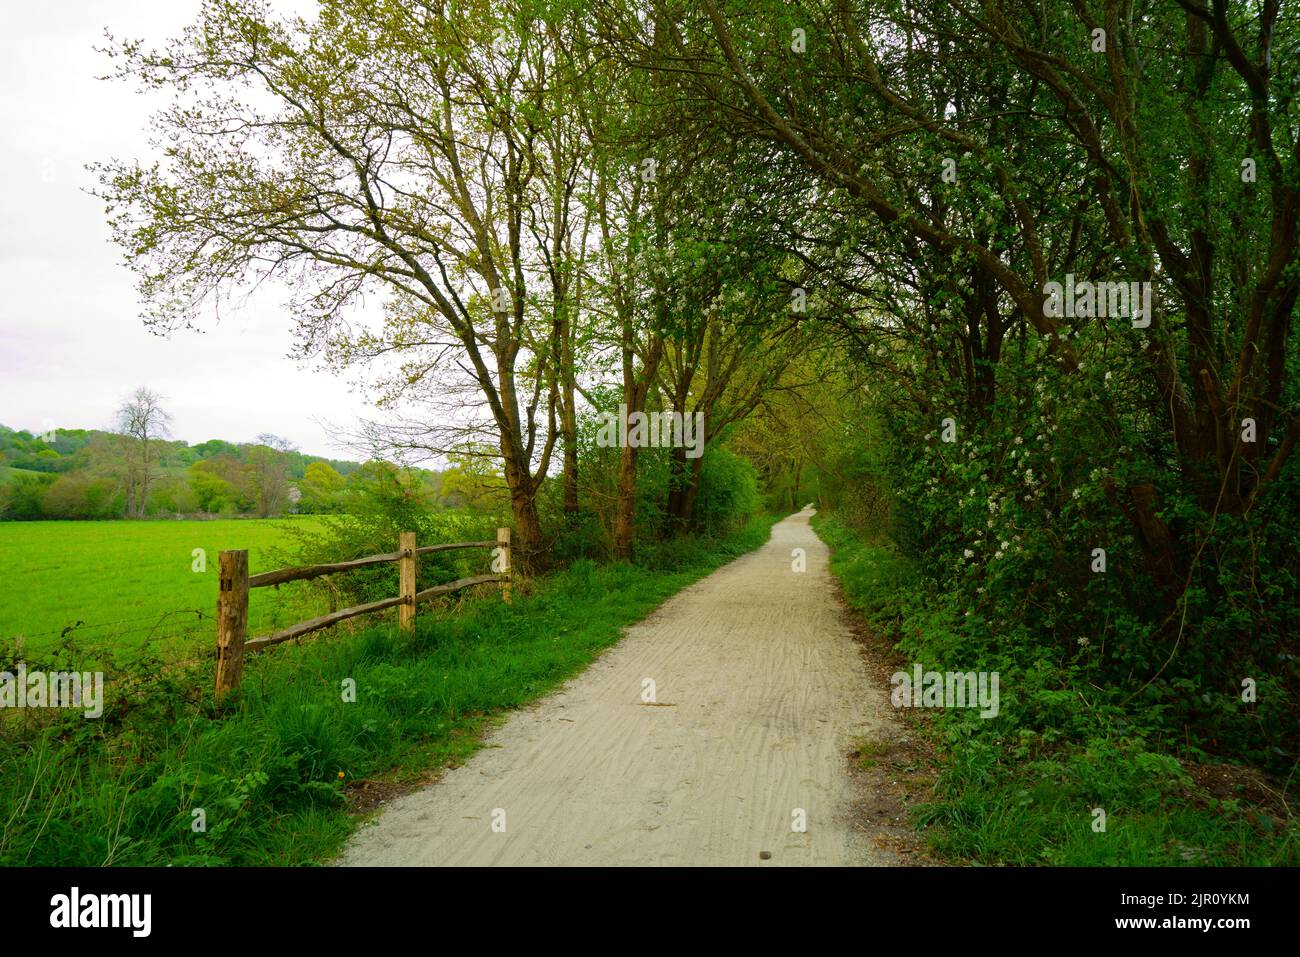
<point>131,584</point>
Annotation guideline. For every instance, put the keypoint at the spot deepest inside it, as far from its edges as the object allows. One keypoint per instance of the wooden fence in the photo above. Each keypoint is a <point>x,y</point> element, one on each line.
<point>232,598</point>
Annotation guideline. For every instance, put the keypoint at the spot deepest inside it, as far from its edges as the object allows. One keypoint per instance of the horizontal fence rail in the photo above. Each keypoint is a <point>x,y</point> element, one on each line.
<point>282,575</point>
<point>235,582</point>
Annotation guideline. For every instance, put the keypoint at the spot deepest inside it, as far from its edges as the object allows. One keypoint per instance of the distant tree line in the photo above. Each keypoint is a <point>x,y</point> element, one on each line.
<point>138,472</point>
<point>93,474</point>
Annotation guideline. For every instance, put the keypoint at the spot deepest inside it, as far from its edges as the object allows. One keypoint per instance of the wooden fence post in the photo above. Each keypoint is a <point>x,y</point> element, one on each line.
<point>406,578</point>
<point>232,620</point>
<point>503,543</point>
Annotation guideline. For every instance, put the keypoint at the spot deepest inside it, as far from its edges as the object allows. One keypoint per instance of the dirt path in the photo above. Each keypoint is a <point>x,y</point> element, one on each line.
<point>761,695</point>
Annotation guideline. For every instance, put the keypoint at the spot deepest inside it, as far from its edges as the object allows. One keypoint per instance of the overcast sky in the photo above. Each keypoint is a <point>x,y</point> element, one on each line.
<point>71,341</point>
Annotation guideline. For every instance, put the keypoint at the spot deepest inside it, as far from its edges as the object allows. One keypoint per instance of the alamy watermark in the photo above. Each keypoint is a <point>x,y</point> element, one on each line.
<point>1099,300</point>
<point>946,689</point>
<point>75,909</point>
<point>652,430</point>
<point>53,689</point>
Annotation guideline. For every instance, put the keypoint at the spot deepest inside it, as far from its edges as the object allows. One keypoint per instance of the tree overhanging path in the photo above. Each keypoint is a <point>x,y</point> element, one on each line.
<point>760,694</point>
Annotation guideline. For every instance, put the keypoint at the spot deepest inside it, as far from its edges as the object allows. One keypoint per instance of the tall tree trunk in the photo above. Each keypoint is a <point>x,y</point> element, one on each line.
<point>636,389</point>
<point>570,475</point>
<point>675,516</point>
<point>625,515</point>
<point>569,424</point>
<point>526,544</point>
<point>690,493</point>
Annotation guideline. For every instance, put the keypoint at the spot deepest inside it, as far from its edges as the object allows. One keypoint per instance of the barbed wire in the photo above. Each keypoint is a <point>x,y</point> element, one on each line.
<point>92,626</point>
<point>154,621</point>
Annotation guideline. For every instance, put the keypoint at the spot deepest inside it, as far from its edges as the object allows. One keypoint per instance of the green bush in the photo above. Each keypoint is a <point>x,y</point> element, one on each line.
<point>21,498</point>
<point>384,501</point>
<point>77,496</point>
<point>728,492</point>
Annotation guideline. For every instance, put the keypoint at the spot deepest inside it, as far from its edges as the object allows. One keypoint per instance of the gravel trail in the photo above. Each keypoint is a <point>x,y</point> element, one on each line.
<point>759,695</point>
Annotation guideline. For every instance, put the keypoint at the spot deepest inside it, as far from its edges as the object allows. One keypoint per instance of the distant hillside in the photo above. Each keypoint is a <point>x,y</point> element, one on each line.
<point>86,474</point>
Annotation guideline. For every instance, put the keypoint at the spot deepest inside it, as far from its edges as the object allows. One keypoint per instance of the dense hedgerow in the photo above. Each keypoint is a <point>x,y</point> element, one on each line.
<point>1007,520</point>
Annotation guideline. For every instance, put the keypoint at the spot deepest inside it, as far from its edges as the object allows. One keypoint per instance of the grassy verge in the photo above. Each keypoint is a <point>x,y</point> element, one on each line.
<point>1027,786</point>
<point>270,773</point>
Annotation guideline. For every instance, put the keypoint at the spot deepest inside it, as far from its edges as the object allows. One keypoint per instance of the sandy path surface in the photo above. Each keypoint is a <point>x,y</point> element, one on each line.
<point>760,695</point>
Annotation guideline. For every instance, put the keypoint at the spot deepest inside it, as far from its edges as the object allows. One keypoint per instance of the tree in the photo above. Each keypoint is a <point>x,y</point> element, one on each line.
<point>222,485</point>
<point>977,153</point>
<point>142,418</point>
<point>472,481</point>
<point>80,496</point>
<point>268,463</point>
<point>21,496</point>
<point>389,146</point>
<point>320,487</point>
